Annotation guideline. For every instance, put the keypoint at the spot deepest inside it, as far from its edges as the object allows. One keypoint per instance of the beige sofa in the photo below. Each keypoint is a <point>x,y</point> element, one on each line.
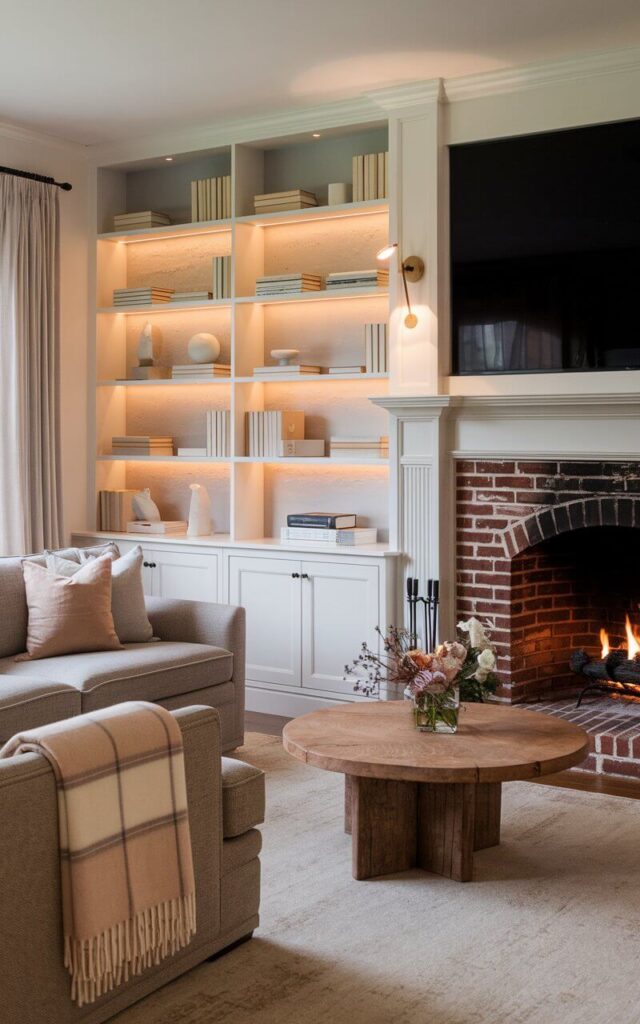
<point>199,659</point>
<point>226,802</point>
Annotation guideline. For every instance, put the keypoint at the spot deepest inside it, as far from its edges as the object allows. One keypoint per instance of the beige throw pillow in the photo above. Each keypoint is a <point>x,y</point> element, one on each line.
<point>68,615</point>
<point>127,593</point>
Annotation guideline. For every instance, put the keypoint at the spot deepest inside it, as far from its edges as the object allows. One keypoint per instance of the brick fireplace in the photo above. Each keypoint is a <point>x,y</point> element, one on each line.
<point>546,550</point>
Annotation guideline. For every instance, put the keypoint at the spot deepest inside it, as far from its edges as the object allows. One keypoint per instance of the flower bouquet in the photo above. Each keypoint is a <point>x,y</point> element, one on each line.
<point>434,680</point>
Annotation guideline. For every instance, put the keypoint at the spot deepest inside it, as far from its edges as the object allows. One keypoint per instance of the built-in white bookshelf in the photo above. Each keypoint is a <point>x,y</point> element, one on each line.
<point>251,495</point>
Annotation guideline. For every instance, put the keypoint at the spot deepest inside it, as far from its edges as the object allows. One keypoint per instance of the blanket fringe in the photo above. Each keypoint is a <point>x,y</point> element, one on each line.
<point>99,964</point>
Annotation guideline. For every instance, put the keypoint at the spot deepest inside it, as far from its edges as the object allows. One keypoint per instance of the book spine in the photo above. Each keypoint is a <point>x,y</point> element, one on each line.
<point>385,192</point>
<point>380,176</point>
<point>194,200</point>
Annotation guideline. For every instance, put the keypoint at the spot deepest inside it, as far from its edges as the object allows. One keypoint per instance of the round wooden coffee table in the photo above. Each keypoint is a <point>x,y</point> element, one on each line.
<point>423,799</point>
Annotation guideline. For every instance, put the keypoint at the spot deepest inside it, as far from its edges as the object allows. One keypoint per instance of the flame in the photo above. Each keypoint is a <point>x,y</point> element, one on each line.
<point>604,640</point>
<point>633,639</point>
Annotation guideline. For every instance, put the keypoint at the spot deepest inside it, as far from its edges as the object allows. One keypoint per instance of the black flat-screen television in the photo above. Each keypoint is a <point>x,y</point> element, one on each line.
<point>545,251</point>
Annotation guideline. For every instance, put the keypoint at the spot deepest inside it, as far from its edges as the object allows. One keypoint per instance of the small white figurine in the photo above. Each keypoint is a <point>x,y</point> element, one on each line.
<point>148,344</point>
<point>199,512</point>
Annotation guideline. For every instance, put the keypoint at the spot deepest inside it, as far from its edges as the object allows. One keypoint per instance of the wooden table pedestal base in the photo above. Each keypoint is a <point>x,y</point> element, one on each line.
<point>435,826</point>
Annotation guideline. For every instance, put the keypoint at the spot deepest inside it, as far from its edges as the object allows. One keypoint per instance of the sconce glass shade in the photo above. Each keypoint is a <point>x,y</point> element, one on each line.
<point>387,251</point>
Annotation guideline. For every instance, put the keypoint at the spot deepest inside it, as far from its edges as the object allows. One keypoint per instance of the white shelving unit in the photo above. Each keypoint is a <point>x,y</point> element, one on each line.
<point>346,591</point>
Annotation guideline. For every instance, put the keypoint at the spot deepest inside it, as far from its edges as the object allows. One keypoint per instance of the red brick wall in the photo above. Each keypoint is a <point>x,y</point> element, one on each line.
<point>512,572</point>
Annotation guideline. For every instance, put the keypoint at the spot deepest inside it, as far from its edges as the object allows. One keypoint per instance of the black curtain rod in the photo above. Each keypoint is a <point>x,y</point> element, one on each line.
<point>64,185</point>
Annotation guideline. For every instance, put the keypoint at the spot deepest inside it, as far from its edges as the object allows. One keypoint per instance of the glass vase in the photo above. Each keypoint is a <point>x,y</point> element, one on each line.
<point>438,712</point>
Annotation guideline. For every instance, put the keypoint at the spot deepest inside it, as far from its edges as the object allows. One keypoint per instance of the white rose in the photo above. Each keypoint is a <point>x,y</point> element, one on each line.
<point>487,660</point>
<point>481,675</point>
<point>477,635</point>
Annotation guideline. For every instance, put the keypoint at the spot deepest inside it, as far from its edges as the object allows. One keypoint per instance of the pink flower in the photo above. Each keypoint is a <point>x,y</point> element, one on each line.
<point>428,682</point>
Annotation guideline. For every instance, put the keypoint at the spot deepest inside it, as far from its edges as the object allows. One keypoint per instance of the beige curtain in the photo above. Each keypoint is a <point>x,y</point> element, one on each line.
<point>30,506</point>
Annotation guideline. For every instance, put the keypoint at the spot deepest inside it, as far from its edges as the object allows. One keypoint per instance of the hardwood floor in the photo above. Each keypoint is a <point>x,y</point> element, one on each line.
<point>272,725</point>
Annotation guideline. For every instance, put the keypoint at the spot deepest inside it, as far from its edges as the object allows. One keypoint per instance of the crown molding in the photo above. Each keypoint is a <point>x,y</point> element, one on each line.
<point>11,130</point>
<point>370,107</point>
<point>359,111</point>
<point>542,73</point>
<point>412,94</point>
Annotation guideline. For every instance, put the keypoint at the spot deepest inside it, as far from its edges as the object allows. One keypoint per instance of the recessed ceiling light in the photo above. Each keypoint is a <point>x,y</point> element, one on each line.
<point>168,159</point>
<point>316,135</point>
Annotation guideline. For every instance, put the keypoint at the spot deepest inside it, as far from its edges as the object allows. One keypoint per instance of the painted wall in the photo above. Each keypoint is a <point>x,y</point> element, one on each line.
<point>65,162</point>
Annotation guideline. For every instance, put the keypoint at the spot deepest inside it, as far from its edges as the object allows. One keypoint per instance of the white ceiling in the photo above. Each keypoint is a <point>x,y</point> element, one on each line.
<point>114,69</point>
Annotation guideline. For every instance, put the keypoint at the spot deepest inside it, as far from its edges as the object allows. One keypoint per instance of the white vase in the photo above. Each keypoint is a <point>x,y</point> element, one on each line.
<point>203,348</point>
<point>199,512</point>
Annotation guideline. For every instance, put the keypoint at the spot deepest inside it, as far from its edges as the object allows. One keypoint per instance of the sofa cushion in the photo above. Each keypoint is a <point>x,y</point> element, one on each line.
<point>13,627</point>
<point>26,703</point>
<point>242,797</point>
<point>136,672</point>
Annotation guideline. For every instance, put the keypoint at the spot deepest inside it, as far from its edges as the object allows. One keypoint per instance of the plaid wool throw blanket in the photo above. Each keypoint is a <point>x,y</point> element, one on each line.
<point>128,892</point>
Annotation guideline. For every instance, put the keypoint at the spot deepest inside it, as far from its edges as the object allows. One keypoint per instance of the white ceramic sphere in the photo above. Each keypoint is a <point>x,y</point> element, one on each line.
<point>203,348</point>
<point>284,355</point>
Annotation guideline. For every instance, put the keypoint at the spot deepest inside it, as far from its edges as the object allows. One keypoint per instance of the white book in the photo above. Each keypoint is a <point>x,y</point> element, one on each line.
<point>165,526</point>
<point>356,535</point>
<point>192,452</point>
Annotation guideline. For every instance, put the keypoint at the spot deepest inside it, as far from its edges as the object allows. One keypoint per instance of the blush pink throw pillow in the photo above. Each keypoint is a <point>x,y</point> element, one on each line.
<point>68,615</point>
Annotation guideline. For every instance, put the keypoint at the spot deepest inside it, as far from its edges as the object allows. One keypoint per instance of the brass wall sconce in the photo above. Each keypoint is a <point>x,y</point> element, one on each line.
<point>412,269</point>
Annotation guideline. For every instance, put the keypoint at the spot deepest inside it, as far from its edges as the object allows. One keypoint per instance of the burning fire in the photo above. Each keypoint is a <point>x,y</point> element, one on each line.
<point>633,640</point>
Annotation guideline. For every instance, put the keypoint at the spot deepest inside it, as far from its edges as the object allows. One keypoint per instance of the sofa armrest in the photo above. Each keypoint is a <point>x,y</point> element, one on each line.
<point>199,622</point>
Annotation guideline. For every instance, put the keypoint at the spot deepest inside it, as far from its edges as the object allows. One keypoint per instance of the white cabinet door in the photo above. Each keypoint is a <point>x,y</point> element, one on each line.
<point>184,575</point>
<point>340,608</point>
<point>269,589</point>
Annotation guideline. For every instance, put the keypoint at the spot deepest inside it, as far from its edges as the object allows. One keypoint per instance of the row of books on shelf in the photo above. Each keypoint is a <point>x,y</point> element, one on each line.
<point>370,176</point>
<point>299,281</point>
<point>211,198</point>
<point>280,202</point>
<point>375,447</point>
<point>221,277</point>
<point>375,348</point>
<point>269,434</point>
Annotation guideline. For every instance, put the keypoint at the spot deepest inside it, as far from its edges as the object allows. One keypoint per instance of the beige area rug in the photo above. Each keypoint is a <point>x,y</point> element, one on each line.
<point>548,933</point>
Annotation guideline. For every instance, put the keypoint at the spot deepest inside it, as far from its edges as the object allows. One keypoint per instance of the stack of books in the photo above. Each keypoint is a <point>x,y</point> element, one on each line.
<point>266,432</point>
<point>211,198</point>
<point>357,279</point>
<point>198,371</point>
<point>330,528</point>
<point>285,284</point>
<point>222,277</point>
<point>115,510</point>
<point>290,370</point>
<point>132,444</point>
<point>162,526</point>
<point>135,221</point>
<point>218,433</point>
<point>280,202</point>
<point>141,296</point>
<point>370,176</point>
<point>375,348</point>
<point>191,296</point>
<point>359,447</point>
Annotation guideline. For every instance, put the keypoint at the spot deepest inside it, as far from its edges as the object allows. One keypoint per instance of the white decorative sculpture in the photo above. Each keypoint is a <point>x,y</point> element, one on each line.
<point>203,348</point>
<point>149,343</point>
<point>285,356</point>
<point>199,512</point>
<point>144,507</point>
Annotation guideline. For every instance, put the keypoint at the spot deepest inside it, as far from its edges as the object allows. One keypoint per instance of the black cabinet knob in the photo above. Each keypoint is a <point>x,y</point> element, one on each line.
<point>149,565</point>
<point>305,576</point>
<point>295,575</point>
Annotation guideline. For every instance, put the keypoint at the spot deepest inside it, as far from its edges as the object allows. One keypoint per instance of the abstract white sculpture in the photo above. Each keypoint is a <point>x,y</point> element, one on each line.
<point>144,507</point>
<point>199,512</point>
<point>203,348</point>
<point>148,344</point>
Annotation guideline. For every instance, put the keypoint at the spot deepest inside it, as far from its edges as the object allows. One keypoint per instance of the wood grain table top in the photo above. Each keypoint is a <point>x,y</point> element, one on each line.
<point>379,740</point>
